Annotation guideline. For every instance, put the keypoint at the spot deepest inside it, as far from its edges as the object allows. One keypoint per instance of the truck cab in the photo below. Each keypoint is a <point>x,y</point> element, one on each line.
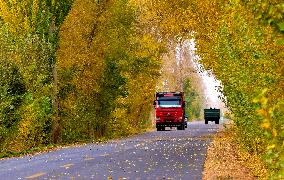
<point>170,110</point>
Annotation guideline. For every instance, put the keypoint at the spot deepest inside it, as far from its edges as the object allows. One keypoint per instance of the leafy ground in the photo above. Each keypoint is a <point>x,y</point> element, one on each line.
<point>226,160</point>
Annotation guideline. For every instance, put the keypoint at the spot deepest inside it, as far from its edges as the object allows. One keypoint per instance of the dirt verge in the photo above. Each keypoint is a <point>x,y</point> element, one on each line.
<point>226,160</point>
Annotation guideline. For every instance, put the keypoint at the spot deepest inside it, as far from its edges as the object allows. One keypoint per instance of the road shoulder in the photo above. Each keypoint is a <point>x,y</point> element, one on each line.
<point>226,160</point>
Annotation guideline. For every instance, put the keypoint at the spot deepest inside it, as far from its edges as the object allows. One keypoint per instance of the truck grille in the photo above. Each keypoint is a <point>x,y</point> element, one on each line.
<point>169,114</point>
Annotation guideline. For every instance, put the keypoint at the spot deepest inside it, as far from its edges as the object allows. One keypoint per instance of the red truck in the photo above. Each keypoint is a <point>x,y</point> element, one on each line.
<point>170,110</point>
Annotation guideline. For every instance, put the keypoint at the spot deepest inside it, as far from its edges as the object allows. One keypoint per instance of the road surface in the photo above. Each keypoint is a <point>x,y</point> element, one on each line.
<point>170,154</point>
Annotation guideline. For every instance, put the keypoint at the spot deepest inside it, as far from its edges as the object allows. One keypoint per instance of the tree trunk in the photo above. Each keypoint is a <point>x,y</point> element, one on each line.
<point>55,118</point>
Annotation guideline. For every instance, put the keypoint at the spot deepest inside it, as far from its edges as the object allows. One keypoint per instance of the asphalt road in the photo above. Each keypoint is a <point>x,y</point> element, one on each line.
<point>154,155</point>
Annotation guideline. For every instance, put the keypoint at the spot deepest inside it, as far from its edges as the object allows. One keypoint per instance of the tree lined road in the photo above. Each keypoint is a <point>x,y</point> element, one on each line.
<point>167,154</point>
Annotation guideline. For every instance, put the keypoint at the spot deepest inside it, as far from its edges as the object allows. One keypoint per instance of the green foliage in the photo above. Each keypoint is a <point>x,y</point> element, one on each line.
<point>239,46</point>
<point>193,100</point>
<point>25,92</point>
<point>12,90</point>
<point>29,35</point>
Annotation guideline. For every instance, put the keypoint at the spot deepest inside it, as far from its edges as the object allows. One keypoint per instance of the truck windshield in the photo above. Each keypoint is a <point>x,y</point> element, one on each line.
<point>169,103</point>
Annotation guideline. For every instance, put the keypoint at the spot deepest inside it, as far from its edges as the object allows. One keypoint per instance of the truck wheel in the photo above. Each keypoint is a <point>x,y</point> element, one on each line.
<point>158,129</point>
<point>183,127</point>
<point>163,128</point>
<point>216,121</point>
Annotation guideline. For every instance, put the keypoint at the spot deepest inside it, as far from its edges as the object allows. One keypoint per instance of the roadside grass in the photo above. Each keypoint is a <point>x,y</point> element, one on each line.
<point>52,147</point>
<point>227,160</point>
<point>8,154</point>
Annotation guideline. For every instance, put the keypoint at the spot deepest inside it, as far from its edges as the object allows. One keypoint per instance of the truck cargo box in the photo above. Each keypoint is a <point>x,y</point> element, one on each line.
<point>212,115</point>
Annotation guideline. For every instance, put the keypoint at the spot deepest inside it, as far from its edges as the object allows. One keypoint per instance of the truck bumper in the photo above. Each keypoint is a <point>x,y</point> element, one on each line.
<point>170,124</point>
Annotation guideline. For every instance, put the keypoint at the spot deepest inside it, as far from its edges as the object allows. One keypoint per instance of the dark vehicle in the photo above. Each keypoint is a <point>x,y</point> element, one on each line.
<point>169,108</point>
<point>212,115</point>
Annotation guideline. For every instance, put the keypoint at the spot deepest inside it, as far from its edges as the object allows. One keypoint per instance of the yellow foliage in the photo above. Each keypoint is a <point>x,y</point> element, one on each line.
<point>240,49</point>
<point>103,43</point>
<point>271,146</point>
<point>16,15</point>
<point>274,132</point>
<point>76,48</point>
<point>265,125</point>
<point>25,125</point>
<point>262,112</point>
